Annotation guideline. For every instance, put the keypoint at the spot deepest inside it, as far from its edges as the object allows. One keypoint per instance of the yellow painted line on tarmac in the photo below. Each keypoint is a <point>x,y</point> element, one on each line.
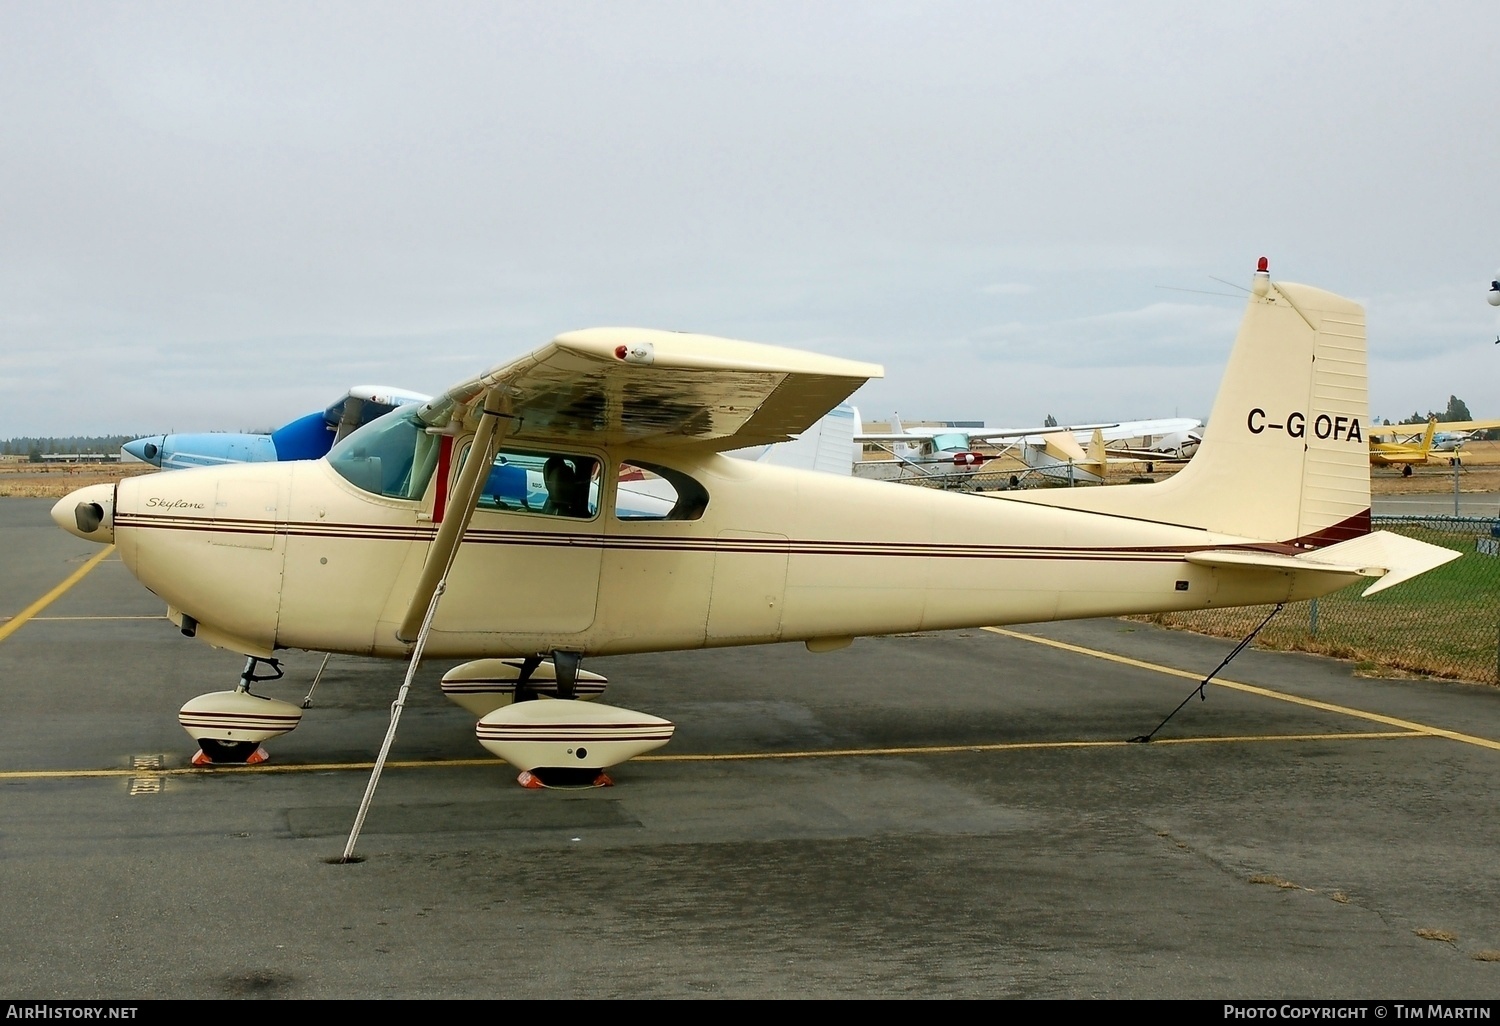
<point>1251,689</point>
<point>1009,746</point>
<point>832,753</point>
<point>60,619</point>
<point>16,622</point>
<point>183,771</point>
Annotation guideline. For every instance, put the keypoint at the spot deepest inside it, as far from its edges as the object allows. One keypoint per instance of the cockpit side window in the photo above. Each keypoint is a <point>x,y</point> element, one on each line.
<point>392,456</point>
<point>647,491</point>
<point>557,484</point>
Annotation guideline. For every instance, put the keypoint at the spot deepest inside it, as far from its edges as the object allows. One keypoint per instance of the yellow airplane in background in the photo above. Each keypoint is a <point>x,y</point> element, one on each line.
<point>1440,442</point>
<point>1391,453</point>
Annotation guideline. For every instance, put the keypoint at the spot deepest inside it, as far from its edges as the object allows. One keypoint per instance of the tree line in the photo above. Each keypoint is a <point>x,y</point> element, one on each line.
<point>36,447</point>
<point>1456,410</point>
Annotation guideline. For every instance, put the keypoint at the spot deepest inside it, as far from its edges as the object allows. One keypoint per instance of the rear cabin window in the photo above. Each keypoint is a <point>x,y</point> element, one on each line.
<point>646,491</point>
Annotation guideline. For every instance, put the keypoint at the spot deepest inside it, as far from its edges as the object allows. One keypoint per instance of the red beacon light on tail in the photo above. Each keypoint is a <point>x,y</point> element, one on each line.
<point>1260,284</point>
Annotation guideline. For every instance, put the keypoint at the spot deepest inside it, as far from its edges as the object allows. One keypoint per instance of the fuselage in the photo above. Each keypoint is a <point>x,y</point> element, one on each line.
<point>295,555</point>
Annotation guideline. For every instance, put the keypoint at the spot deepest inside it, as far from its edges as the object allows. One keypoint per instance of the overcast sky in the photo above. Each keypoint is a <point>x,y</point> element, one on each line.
<point>220,216</point>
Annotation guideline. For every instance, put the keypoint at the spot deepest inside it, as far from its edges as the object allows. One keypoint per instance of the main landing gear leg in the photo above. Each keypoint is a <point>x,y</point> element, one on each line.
<point>523,691</point>
<point>229,726</point>
<point>567,672</point>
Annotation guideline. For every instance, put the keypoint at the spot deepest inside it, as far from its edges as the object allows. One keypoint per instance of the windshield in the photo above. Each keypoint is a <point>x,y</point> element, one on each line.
<point>392,455</point>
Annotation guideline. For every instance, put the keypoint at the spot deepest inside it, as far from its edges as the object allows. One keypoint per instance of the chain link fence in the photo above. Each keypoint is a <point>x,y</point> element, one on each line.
<point>1444,623</point>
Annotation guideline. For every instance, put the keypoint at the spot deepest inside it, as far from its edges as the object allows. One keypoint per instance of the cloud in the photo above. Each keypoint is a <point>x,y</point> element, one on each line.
<point>983,197</point>
<point>1161,336</point>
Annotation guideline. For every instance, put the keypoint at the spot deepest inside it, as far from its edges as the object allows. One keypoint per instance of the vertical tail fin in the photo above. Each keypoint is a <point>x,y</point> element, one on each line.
<point>1059,457</point>
<point>1285,454</point>
<point>828,445</point>
<point>1428,436</point>
<point>903,450</point>
<point>1098,454</point>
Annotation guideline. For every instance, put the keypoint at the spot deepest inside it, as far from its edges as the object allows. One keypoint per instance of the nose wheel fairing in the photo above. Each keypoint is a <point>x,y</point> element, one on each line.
<point>229,726</point>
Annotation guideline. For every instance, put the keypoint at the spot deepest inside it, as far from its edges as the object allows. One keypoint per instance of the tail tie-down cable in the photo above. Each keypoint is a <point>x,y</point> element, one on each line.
<point>1199,690</point>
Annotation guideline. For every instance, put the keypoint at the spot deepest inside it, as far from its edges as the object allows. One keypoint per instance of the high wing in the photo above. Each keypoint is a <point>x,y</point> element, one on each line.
<point>363,403</point>
<point>1404,435</point>
<point>1450,437</point>
<point>626,386</point>
<point>1149,431</point>
<point>918,434</point>
<point>1468,425</point>
<point>618,386</point>
<point>910,435</point>
<point>1037,433</point>
<point>1116,455</point>
<point>1112,431</point>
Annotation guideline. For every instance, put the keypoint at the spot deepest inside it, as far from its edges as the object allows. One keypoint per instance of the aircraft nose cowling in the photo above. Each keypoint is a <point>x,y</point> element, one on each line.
<point>88,513</point>
<point>147,450</point>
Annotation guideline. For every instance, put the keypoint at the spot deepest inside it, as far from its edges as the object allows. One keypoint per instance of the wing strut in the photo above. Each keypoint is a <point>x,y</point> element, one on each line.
<point>434,581</point>
<point>390,733</point>
<point>461,506</point>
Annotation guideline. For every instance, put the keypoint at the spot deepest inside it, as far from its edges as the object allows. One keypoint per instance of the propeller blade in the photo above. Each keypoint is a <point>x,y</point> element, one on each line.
<point>460,511</point>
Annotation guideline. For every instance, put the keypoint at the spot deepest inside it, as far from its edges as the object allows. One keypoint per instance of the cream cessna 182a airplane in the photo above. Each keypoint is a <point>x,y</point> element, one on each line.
<point>398,543</point>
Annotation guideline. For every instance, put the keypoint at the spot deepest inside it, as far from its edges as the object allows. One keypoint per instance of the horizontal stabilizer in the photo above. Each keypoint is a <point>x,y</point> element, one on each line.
<point>1391,557</point>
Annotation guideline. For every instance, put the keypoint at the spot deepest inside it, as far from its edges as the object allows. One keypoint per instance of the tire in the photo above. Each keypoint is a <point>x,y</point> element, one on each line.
<point>227,751</point>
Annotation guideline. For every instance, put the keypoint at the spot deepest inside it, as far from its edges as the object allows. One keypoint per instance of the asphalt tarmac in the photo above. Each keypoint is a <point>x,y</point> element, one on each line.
<point>954,815</point>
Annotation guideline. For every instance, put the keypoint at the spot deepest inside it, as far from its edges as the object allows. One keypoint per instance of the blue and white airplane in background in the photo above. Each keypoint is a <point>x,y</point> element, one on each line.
<point>306,438</point>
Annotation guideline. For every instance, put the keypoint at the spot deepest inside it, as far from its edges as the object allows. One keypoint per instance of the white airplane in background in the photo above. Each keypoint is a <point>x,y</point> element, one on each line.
<point>382,548</point>
<point>1160,440</point>
<point>951,455</point>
